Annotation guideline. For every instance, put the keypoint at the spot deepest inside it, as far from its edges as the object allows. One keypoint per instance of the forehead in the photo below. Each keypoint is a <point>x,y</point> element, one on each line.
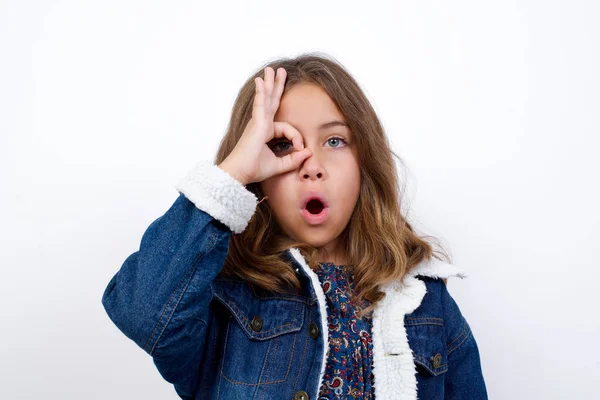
<point>307,106</point>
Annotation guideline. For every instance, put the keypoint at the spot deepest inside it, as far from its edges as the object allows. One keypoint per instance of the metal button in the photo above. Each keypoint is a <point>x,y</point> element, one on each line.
<point>436,360</point>
<point>301,395</point>
<point>256,323</point>
<point>313,330</point>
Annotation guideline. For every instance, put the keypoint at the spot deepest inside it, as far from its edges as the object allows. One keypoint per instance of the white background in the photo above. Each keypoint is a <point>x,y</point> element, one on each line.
<point>493,105</point>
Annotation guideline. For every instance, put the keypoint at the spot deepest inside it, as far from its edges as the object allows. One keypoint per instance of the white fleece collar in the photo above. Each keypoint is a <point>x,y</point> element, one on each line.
<point>394,369</point>
<point>393,363</point>
<point>322,308</point>
<point>435,268</point>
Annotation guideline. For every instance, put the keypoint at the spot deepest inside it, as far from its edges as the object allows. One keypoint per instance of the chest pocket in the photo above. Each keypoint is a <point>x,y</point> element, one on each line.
<point>261,337</point>
<point>426,339</point>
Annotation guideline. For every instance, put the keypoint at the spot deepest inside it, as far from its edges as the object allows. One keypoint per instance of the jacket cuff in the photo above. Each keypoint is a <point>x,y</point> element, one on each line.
<point>219,194</point>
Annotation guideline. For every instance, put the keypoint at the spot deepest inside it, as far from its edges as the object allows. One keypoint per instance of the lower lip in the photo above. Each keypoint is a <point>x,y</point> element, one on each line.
<point>315,219</point>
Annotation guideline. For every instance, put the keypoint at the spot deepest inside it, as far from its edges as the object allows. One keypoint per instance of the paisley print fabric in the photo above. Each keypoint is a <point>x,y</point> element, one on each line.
<point>348,372</point>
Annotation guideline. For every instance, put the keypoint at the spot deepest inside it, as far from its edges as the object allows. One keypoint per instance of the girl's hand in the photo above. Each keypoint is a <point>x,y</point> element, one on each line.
<point>252,160</point>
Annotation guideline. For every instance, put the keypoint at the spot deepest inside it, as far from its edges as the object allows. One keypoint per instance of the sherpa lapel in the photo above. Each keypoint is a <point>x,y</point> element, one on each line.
<point>322,307</point>
<point>393,364</point>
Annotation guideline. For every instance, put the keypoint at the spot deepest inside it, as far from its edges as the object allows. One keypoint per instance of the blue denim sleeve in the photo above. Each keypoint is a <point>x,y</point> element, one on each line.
<point>464,378</point>
<point>160,296</point>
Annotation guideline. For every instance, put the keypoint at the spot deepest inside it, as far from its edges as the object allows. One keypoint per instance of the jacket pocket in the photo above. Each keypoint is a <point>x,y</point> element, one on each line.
<point>426,339</point>
<point>261,338</point>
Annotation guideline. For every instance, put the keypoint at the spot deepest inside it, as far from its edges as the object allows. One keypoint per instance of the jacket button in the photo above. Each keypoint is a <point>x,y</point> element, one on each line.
<point>301,395</point>
<point>436,360</point>
<point>256,323</point>
<point>313,330</point>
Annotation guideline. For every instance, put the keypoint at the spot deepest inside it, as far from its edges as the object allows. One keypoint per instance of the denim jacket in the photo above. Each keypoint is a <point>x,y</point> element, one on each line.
<point>215,337</point>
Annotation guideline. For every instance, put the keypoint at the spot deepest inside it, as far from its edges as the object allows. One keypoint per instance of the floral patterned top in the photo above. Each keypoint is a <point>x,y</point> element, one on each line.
<point>348,372</point>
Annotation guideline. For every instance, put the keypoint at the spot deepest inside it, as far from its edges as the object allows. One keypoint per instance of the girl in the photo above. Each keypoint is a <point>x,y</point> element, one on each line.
<point>321,289</point>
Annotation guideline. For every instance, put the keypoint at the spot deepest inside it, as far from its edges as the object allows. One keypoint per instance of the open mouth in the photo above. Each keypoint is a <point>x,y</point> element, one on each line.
<point>314,206</point>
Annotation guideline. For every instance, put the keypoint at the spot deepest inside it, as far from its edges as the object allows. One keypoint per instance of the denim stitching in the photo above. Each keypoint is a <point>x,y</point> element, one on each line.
<point>424,321</point>
<point>301,299</point>
<point>241,314</point>
<point>425,360</point>
<point>466,332</point>
<point>266,379</point>
<point>277,342</point>
<point>304,352</point>
<point>267,334</point>
<point>292,356</point>
<point>265,363</point>
<point>425,318</point>
<point>186,278</point>
<point>460,334</point>
<point>249,384</point>
<point>425,364</point>
<point>240,383</point>
<point>262,396</point>
<point>305,300</point>
<point>463,331</point>
<point>214,346</point>
<point>223,358</point>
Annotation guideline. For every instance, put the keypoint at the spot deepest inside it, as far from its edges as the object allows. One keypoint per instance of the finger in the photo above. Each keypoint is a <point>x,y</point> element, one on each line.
<point>259,99</point>
<point>283,129</point>
<point>269,73</point>
<point>292,161</point>
<point>279,86</point>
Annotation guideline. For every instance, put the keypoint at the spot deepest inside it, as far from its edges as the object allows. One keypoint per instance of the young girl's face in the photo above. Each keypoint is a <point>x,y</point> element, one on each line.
<point>331,172</point>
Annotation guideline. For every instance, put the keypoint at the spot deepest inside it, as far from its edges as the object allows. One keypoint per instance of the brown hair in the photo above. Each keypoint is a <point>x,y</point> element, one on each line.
<point>379,243</point>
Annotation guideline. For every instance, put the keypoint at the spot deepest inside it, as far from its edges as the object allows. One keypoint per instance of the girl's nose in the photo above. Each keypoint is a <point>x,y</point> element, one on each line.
<point>312,168</point>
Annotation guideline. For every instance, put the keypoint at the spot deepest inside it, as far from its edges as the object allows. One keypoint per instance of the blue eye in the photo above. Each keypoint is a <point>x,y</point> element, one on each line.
<point>336,139</point>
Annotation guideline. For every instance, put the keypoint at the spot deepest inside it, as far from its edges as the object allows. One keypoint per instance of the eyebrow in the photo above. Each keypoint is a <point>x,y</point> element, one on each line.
<point>332,124</point>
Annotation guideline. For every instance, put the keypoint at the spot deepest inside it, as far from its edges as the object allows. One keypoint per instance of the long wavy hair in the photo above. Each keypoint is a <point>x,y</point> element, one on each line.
<point>379,243</point>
